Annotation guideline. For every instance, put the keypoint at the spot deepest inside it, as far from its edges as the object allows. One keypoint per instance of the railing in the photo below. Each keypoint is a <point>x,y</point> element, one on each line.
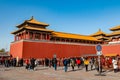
<point>115,42</point>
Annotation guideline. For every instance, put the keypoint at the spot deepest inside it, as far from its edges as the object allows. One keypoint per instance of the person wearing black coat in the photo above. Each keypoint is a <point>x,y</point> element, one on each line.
<point>32,62</point>
<point>54,61</point>
<point>65,63</point>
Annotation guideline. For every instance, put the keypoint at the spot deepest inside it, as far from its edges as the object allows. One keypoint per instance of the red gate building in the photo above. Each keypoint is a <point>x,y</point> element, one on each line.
<point>33,39</point>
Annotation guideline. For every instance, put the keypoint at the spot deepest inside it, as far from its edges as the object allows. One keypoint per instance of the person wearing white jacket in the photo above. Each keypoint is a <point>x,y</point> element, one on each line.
<point>115,66</point>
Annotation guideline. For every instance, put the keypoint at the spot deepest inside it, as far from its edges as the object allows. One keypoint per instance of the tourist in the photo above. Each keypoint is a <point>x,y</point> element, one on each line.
<point>50,62</point>
<point>21,62</point>
<point>6,62</point>
<point>92,63</point>
<point>72,62</point>
<point>32,63</point>
<point>46,62</point>
<point>118,64</point>
<point>27,62</point>
<point>54,62</point>
<point>78,62</point>
<point>14,62</point>
<point>115,66</point>
<point>96,64</point>
<point>86,63</point>
<point>65,62</point>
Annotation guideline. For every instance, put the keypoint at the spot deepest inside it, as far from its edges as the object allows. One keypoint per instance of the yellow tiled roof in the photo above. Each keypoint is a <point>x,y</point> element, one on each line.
<point>102,37</point>
<point>39,29</point>
<point>33,21</point>
<point>32,28</point>
<point>115,28</point>
<point>114,33</point>
<point>73,36</point>
<point>99,32</point>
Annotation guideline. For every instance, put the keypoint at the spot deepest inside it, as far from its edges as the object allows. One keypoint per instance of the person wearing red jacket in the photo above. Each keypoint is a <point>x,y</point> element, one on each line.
<point>78,62</point>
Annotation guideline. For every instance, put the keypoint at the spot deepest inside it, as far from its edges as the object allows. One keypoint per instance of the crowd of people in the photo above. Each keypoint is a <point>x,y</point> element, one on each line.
<point>90,63</point>
<point>8,62</point>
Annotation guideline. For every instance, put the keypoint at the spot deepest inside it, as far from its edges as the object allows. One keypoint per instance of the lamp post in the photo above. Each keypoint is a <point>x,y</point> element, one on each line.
<point>99,53</point>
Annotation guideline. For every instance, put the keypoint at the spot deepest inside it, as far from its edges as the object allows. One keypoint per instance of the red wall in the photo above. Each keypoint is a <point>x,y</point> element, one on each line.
<point>111,49</point>
<point>42,50</point>
<point>46,49</point>
<point>16,49</point>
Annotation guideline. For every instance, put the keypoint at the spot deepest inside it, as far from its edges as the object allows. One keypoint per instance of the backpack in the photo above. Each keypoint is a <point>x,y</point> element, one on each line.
<point>65,62</point>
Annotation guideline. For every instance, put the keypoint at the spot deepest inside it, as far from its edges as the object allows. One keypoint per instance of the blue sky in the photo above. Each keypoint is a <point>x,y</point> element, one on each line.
<point>72,16</point>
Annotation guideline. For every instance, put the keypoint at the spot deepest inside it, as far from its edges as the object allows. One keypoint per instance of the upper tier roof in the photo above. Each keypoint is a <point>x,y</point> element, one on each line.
<point>102,38</point>
<point>99,32</point>
<point>73,36</point>
<point>31,28</point>
<point>114,33</point>
<point>33,21</point>
<point>115,28</point>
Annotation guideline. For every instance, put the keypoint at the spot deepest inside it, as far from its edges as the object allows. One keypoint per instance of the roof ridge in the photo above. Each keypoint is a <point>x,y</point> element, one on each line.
<point>114,28</point>
<point>98,32</point>
<point>71,33</point>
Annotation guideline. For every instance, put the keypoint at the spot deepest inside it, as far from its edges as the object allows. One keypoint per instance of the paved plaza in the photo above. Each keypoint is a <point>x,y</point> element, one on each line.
<point>46,73</point>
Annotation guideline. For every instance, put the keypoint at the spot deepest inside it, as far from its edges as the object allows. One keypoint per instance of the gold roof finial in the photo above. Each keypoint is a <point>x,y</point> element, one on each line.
<point>99,29</point>
<point>33,21</point>
<point>32,17</point>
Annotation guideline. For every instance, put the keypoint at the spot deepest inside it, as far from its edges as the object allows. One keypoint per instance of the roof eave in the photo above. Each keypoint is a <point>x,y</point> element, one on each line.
<point>14,32</point>
<point>46,25</point>
<point>76,38</point>
<point>20,25</point>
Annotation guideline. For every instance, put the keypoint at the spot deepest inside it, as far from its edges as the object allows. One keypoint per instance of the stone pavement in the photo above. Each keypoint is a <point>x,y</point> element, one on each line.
<point>45,73</point>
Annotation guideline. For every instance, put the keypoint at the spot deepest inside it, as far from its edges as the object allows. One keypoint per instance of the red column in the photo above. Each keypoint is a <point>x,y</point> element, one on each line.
<point>28,36</point>
<point>70,40</point>
<point>117,39</point>
<point>60,40</point>
<point>18,36</point>
<point>15,38</point>
<point>22,35</point>
<point>65,40</point>
<point>55,39</point>
<point>41,36</point>
<point>46,36</point>
<point>25,35</point>
<point>33,36</point>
